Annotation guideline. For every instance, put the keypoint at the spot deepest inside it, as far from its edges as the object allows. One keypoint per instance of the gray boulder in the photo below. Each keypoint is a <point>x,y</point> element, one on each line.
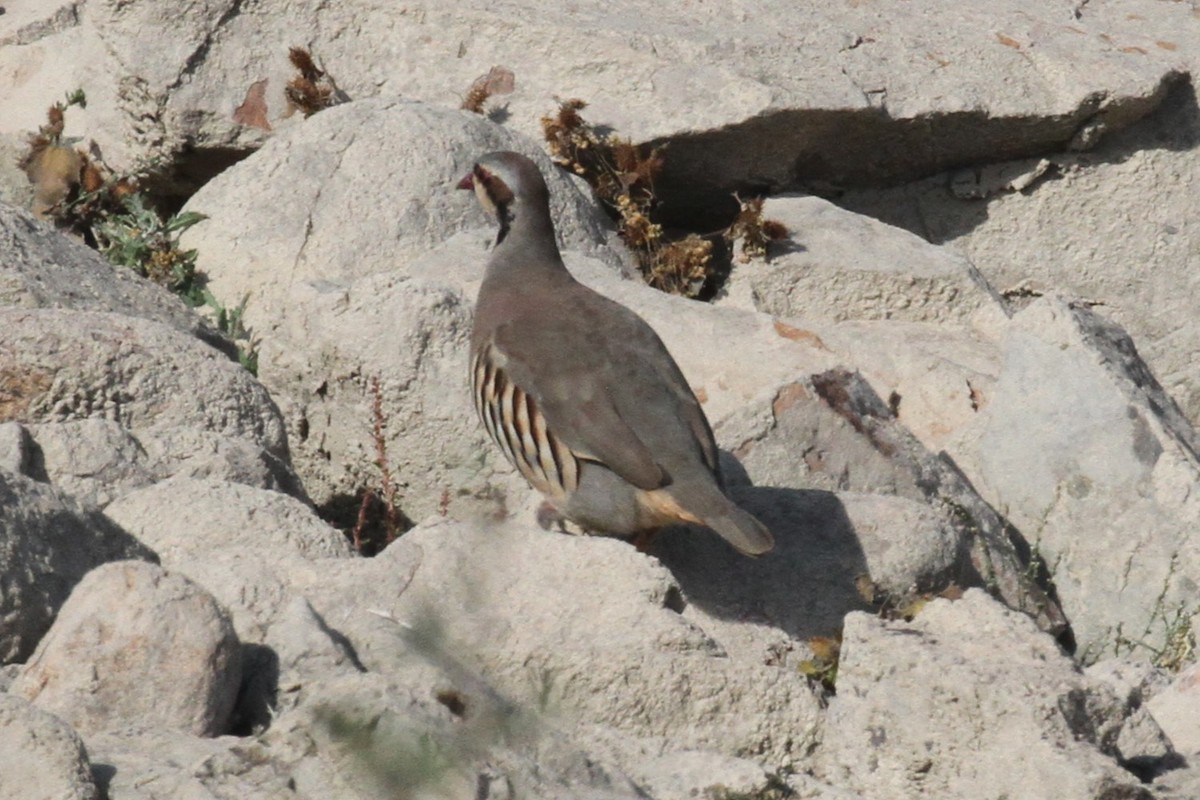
<point>165,388</point>
<point>1094,463</point>
<point>835,265</point>
<point>41,757</point>
<point>740,106</point>
<point>1177,710</point>
<point>938,707</point>
<point>135,644</point>
<point>41,268</point>
<point>213,515</point>
<point>47,545</point>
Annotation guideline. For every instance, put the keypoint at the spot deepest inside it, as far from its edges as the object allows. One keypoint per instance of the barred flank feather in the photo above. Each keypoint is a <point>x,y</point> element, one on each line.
<point>516,424</point>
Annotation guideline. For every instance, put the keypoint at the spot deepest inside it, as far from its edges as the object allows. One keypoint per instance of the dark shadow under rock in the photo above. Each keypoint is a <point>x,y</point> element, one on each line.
<point>47,545</point>
<point>805,586</point>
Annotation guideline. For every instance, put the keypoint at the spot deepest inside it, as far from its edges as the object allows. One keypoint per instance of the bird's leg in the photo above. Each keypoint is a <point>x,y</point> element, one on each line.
<point>644,538</point>
<point>550,517</point>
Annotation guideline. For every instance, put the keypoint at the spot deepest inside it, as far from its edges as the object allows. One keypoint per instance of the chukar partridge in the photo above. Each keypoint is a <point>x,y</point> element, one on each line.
<point>579,392</point>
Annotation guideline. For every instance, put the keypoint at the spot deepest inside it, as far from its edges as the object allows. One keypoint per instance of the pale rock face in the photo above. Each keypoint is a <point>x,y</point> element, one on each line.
<point>744,104</point>
<point>146,376</point>
<point>836,265</point>
<point>1093,462</point>
<point>213,515</point>
<point>41,757</point>
<point>1175,709</point>
<point>47,545</point>
<point>921,711</point>
<point>135,644</point>
<point>43,269</point>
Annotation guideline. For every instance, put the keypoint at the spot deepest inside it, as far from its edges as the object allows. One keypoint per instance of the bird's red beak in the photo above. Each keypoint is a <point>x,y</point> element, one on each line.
<point>468,182</point>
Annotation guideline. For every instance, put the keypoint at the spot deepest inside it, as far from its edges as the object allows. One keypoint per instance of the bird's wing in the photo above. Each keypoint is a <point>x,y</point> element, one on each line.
<point>562,361</point>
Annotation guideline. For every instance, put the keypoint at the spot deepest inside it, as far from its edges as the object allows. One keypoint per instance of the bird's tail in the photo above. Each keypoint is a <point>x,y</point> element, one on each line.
<point>742,530</point>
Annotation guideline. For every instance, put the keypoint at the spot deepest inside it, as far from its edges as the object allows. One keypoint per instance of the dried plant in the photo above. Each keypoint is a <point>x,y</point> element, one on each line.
<point>313,89</point>
<point>110,213</point>
<point>754,231</point>
<point>55,170</point>
<point>682,266</point>
<point>380,520</point>
<point>823,666</point>
<point>570,138</point>
<point>498,81</point>
<point>622,175</point>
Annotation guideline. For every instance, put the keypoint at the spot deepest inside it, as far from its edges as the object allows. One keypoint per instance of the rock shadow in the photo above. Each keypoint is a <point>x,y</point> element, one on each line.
<point>929,209</point>
<point>50,544</point>
<point>259,693</point>
<point>804,587</point>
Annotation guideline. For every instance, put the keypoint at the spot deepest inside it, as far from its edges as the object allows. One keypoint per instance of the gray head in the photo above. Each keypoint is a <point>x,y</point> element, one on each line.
<point>510,186</point>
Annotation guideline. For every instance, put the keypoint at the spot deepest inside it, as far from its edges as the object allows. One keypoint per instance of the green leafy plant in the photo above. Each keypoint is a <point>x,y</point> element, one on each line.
<point>1168,637</point>
<point>822,668</point>
<point>109,212</point>
<point>137,237</point>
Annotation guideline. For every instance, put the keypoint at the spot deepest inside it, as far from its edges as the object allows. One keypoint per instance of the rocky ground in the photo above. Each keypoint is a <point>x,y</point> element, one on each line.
<point>962,392</point>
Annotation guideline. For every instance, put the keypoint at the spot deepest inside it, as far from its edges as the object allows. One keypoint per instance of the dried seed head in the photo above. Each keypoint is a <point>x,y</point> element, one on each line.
<point>302,60</point>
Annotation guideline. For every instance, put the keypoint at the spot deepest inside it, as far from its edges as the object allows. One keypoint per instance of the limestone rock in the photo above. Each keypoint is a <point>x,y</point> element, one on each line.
<point>1178,784</point>
<point>41,757</point>
<point>493,598</point>
<point>831,431</point>
<point>1074,234</point>
<point>249,548</point>
<point>94,460</point>
<point>1095,465</point>
<point>935,378</point>
<point>359,190</point>
<point>1177,710</point>
<point>140,762</point>
<point>835,265</point>
<point>375,737</point>
<point>937,708</point>
<point>826,545</point>
<point>42,268</point>
<point>688,774</point>
<point>841,98</point>
<point>1141,746</point>
<point>63,365</point>
<point>135,644</point>
<point>47,544</point>
<point>210,515</point>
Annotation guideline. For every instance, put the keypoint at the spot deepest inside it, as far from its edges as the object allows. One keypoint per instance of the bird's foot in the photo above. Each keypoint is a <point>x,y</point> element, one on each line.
<point>643,539</point>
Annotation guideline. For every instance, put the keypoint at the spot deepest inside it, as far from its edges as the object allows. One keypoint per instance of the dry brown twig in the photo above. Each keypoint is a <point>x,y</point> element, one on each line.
<point>386,484</point>
<point>379,520</point>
